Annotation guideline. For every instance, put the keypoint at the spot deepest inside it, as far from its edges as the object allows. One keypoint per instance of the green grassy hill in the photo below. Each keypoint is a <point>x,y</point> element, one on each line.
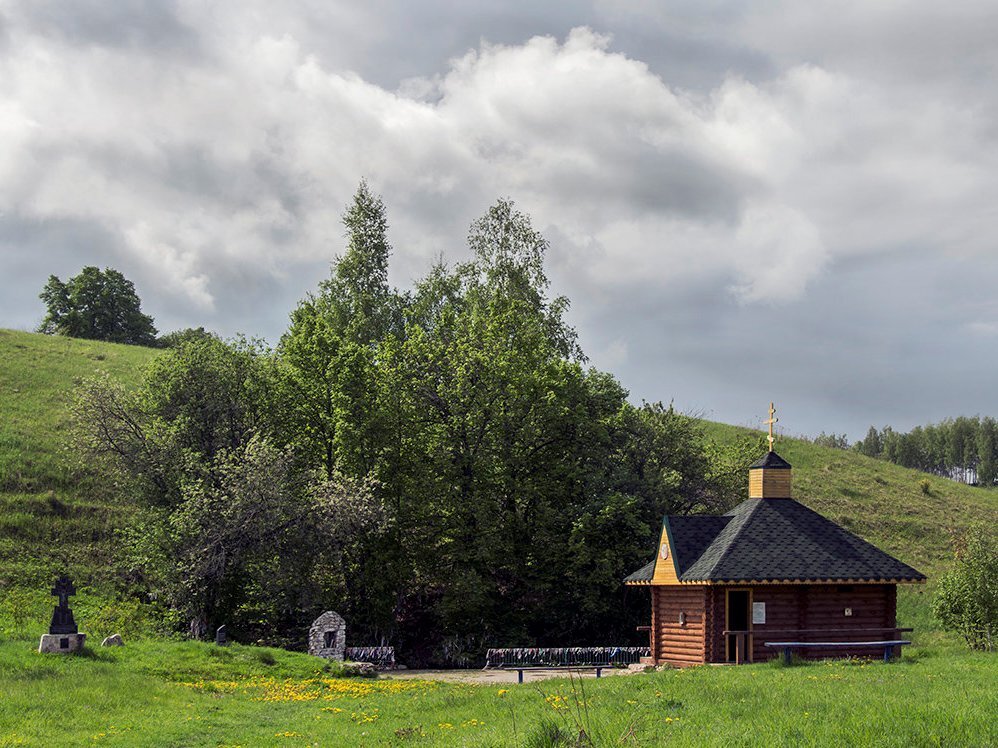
<point>46,524</point>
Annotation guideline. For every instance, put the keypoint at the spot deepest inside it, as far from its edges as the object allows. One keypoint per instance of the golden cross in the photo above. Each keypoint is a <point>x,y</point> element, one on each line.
<point>772,419</point>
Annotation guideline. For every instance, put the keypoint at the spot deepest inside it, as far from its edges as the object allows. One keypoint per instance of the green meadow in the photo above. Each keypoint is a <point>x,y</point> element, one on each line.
<point>161,691</point>
<point>157,693</point>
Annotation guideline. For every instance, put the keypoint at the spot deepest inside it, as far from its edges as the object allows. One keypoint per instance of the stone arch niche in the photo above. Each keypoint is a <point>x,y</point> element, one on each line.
<point>327,636</point>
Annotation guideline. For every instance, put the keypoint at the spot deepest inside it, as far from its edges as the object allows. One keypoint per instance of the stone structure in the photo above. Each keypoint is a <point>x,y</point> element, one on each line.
<point>327,636</point>
<point>222,636</point>
<point>63,636</point>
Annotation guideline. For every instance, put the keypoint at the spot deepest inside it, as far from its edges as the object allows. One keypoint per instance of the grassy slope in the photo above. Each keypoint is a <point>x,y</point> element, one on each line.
<point>135,696</point>
<point>877,500</point>
<point>44,523</point>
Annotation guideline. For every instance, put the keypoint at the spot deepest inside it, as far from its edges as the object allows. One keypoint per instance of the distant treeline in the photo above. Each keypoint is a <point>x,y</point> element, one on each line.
<point>964,449</point>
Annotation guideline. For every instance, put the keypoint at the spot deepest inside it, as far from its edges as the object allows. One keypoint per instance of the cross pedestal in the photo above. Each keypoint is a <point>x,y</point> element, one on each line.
<point>62,643</point>
<point>63,636</point>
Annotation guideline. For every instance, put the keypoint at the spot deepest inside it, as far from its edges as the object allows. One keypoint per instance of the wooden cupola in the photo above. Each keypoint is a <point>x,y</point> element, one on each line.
<point>769,478</point>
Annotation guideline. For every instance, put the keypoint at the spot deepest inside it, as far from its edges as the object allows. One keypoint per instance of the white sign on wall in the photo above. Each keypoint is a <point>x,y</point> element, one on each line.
<point>758,613</point>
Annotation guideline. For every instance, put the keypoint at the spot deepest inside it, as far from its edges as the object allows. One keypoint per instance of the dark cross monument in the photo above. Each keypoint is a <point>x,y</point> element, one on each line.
<point>63,635</point>
<point>62,616</point>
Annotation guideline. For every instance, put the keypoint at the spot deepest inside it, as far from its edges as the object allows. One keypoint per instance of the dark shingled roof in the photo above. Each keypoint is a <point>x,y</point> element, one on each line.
<point>772,461</point>
<point>777,539</point>
<point>644,574</point>
<point>690,536</point>
<point>772,540</point>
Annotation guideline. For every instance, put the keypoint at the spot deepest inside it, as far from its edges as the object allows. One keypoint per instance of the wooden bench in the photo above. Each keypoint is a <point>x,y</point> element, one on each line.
<point>888,646</point>
<point>534,668</point>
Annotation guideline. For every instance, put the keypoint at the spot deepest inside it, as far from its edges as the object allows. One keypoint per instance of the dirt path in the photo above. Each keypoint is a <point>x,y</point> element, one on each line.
<point>488,677</point>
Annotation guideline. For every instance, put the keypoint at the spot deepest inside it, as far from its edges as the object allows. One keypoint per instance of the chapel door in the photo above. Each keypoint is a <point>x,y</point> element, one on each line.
<point>738,618</point>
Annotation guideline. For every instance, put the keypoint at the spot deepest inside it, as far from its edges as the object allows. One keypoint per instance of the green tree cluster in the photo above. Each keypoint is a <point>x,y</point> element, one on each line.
<point>965,449</point>
<point>98,305</point>
<point>501,487</point>
<point>236,527</point>
<point>833,440</point>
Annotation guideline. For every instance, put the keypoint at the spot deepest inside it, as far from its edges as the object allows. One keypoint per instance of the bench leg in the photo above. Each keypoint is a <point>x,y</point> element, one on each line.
<point>598,671</point>
<point>786,655</point>
<point>519,676</point>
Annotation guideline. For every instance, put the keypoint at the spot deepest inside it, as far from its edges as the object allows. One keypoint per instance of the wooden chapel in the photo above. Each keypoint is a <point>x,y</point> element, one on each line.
<point>769,570</point>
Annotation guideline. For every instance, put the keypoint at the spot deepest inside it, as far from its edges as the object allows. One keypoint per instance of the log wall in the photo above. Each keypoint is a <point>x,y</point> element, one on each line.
<point>673,642</point>
<point>818,607</point>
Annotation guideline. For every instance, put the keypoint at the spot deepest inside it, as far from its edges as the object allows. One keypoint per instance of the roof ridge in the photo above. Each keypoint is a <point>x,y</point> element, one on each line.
<point>684,556</point>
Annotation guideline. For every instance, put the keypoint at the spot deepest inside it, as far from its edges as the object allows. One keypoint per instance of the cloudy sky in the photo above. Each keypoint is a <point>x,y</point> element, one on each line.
<point>745,201</point>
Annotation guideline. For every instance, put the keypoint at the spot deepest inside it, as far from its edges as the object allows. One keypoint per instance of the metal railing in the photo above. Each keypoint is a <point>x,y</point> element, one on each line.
<point>553,656</point>
<point>382,658</point>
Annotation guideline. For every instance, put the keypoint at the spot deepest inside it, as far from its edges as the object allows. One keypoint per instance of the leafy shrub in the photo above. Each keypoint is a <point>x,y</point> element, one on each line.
<point>125,617</point>
<point>18,608</point>
<point>836,441</point>
<point>967,600</point>
<point>266,657</point>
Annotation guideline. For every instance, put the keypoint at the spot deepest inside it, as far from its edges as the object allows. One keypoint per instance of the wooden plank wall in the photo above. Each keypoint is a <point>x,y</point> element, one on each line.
<point>783,606</point>
<point>769,484</point>
<point>873,606</point>
<point>665,568</point>
<point>674,643</point>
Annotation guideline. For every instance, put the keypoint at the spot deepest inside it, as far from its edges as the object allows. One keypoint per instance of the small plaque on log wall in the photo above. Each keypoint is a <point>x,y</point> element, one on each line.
<point>758,613</point>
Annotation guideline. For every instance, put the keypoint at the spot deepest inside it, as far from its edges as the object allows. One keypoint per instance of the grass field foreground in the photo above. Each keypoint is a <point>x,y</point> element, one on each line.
<point>158,693</point>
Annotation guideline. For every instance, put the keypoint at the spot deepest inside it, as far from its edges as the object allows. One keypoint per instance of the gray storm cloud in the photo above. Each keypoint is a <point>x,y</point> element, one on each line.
<point>738,178</point>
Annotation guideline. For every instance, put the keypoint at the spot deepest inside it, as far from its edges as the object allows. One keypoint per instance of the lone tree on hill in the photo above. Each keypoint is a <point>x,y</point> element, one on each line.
<point>98,305</point>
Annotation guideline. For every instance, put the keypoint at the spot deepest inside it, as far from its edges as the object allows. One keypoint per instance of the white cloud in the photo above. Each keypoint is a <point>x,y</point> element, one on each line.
<point>217,146</point>
<point>248,156</point>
